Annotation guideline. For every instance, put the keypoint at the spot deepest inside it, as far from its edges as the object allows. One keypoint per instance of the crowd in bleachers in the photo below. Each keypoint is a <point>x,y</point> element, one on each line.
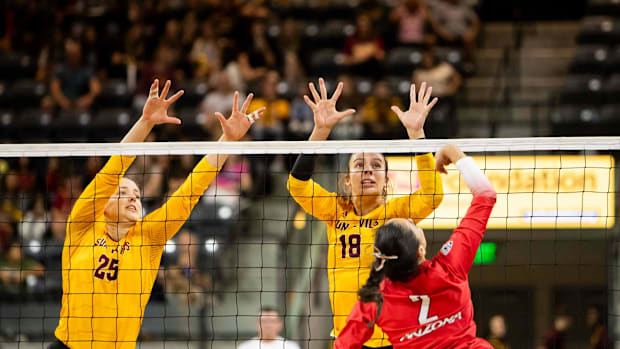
<point>588,104</point>
<point>38,194</point>
<point>79,71</point>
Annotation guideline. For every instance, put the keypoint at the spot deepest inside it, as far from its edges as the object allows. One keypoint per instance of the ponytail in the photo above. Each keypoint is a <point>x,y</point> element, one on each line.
<point>397,262</point>
<point>371,291</point>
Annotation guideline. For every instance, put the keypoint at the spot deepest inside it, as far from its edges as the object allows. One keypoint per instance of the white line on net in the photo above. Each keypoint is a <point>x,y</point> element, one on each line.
<point>297,147</point>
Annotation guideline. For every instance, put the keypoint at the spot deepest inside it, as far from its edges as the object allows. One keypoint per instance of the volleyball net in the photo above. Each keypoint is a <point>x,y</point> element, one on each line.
<point>550,252</point>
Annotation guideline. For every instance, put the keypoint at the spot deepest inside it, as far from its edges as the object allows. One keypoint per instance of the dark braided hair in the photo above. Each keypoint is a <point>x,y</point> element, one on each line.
<point>392,239</point>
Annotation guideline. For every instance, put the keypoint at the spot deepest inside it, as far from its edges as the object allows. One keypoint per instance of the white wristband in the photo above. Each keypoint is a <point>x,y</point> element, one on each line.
<point>477,182</point>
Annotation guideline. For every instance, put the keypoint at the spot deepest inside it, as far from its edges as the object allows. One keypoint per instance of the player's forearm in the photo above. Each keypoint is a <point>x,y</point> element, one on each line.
<point>91,202</point>
<point>304,167</point>
<point>218,160</point>
<point>477,182</point>
<point>431,185</point>
<point>138,132</point>
<point>319,134</point>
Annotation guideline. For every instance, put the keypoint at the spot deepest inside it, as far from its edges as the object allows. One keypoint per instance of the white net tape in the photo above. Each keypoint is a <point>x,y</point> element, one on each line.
<point>324,147</point>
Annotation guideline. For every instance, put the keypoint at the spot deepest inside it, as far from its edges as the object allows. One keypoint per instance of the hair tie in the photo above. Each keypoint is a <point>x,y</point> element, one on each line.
<point>382,257</point>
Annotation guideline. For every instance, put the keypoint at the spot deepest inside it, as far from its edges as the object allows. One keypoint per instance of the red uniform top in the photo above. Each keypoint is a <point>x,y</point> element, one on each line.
<point>434,309</point>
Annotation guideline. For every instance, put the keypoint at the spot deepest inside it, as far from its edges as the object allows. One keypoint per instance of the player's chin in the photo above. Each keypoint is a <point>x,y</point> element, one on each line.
<point>131,217</point>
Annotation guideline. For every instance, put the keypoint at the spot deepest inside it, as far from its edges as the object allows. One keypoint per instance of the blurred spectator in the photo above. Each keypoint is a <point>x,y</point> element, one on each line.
<point>185,282</point>
<point>289,39</point>
<point>190,29</point>
<point>52,252</point>
<point>11,203</point>
<point>34,224</point>
<point>497,332</point>
<point>446,82</point>
<point>364,50</point>
<point>7,231</point>
<point>92,167</point>
<point>598,331</point>
<point>350,127</point>
<point>125,60</point>
<point>412,19</point>
<point>269,326</point>
<point>271,125</point>
<point>380,122</point>
<point>232,182</point>
<point>53,177</point>
<point>26,177</point>
<point>161,68</point>
<point>152,170</point>
<point>16,269</point>
<point>51,51</point>
<point>268,128</point>
<point>301,118</point>
<point>172,41</point>
<point>258,56</point>
<point>95,54</point>
<point>69,190</point>
<point>255,9</point>
<point>556,337</point>
<point>293,72</point>
<point>205,53</point>
<point>74,86</point>
<point>456,23</point>
<point>218,100</point>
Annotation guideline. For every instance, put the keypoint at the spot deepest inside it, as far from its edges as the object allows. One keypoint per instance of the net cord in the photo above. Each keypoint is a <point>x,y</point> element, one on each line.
<point>307,147</point>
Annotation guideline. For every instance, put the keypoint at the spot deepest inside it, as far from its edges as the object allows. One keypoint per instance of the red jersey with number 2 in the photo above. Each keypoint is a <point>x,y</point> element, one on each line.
<point>434,309</point>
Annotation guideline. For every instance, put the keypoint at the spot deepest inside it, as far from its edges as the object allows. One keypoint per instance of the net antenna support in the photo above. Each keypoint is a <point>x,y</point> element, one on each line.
<point>321,147</point>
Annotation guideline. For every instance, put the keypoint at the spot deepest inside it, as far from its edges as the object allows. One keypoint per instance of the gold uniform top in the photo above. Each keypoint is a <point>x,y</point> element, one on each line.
<point>351,237</point>
<point>107,284</point>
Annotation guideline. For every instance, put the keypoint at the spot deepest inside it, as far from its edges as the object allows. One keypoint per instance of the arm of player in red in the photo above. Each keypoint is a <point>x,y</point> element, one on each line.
<point>459,252</point>
<point>357,332</point>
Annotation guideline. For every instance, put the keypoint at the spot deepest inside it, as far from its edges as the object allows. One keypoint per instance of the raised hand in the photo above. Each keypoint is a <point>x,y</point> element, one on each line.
<point>414,118</point>
<point>325,114</point>
<point>155,109</point>
<point>235,127</point>
<point>447,155</point>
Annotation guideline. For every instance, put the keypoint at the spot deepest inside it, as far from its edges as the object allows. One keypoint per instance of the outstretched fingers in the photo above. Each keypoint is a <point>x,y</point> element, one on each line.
<point>309,102</point>
<point>323,88</point>
<point>338,91</point>
<point>315,94</point>
<point>344,114</point>
<point>411,96</point>
<point>422,91</point>
<point>173,120</point>
<point>397,110</point>
<point>164,91</point>
<point>433,102</point>
<point>221,118</point>
<point>235,106</point>
<point>154,91</point>
<point>175,97</point>
<point>246,103</point>
<point>427,96</point>
<point>257,114</point>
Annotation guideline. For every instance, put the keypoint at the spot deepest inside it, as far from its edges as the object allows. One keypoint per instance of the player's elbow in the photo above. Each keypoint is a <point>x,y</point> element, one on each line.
<point>488,192</point>
<point>437,198</point>
<point>432,200</point>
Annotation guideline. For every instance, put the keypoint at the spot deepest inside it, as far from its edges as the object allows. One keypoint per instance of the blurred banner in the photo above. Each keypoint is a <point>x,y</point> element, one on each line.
<point>568,191</point>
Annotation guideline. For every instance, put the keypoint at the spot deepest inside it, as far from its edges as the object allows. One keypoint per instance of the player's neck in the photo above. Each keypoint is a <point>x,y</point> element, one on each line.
<point>117,231</point>
<point>268,339</point>
<point>365,204</point>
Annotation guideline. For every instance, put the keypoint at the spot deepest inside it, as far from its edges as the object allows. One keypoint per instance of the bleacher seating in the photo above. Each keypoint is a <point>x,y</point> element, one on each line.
<point>587,104</point>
